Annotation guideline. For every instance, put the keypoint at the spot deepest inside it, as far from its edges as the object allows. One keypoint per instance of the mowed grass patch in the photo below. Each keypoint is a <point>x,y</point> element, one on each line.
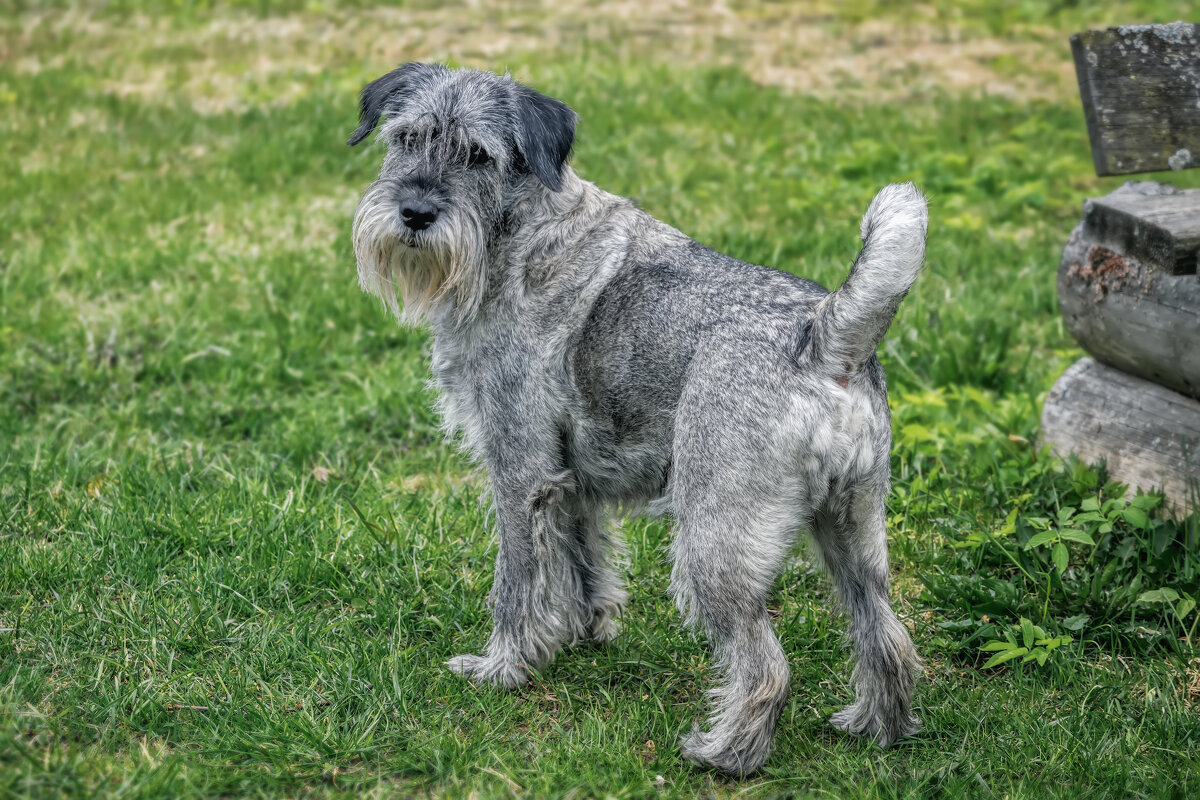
<point>235,551</point>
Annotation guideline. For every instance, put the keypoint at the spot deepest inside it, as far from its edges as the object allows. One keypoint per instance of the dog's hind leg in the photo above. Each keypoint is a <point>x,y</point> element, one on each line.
<point>853,544</point>
<point>726,558</point>
<point>753,671</point>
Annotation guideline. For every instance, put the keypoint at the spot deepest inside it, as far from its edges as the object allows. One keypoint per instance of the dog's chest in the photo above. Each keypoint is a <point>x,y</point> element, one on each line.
<point>493,389</point>
<point>460,384</point>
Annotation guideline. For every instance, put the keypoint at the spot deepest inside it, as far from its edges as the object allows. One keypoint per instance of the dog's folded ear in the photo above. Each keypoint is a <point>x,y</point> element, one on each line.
<point>390,89</point>
<point>545,134</point>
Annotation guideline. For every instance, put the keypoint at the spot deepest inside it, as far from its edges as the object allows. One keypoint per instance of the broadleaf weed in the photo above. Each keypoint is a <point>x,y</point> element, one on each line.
<point>1117,571</point>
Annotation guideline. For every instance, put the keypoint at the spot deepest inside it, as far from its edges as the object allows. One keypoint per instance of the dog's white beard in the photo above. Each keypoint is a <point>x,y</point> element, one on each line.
<point>449,261</point>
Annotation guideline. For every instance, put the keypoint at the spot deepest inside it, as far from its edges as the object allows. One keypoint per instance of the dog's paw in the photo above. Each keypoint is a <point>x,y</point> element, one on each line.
<point>736,759</point>
<point>481,669</point>
<point>859,720</point>
<point>604,629</point>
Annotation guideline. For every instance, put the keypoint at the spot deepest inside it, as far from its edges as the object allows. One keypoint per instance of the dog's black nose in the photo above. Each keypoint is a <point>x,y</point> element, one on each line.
<point>418,215</point>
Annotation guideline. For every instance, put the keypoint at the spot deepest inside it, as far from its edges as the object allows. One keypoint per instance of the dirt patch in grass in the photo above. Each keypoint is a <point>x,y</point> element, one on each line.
<point>1191,684</point>
<point>235,61</point>
<point>879,61</point>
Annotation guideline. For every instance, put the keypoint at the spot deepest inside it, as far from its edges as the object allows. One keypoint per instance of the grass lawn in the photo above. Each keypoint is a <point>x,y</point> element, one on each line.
<point>235,551</point>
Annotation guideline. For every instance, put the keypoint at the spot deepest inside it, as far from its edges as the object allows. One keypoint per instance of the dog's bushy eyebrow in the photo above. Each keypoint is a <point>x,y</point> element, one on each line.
<point>545,134</point>
<point>389,89</point>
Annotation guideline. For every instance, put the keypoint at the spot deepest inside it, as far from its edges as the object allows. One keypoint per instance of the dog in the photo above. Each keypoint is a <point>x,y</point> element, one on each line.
<point>593,359</point>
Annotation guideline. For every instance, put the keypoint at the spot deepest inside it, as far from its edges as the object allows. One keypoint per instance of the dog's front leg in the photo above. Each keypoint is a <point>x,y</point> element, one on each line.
<point>529,624</point>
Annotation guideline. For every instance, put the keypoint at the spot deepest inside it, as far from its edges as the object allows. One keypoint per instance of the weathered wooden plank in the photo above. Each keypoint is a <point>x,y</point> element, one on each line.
<point>1162,229</point>
<point>1131,316</point>
<point>1140,86</point>
<point>1147,436</point>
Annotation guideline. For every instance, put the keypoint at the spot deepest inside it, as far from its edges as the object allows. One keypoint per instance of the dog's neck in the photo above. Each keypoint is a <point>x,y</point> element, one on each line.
<point>529,257</point>
<point>536,206</point>
<point>554,224</point>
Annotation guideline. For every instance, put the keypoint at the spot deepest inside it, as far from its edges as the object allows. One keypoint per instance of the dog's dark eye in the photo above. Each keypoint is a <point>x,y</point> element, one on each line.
<point>478,156</point>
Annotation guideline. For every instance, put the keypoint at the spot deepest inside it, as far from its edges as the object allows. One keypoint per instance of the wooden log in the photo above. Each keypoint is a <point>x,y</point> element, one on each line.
<point>1140,86</point>
<point>1131,316</point>
<point>1162,229</point>
<point>1147,436</point>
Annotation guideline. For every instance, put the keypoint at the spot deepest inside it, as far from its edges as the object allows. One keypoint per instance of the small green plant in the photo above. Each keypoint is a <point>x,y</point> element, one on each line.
<point>1024,639</point>
<point>1087,561</point>
<point>1181,603</point>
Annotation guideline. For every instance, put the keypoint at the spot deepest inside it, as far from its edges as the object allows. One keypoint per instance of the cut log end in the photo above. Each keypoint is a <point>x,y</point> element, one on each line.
<point>1147,436</point>
<point>1130,315</point>
<point>1156,223</point>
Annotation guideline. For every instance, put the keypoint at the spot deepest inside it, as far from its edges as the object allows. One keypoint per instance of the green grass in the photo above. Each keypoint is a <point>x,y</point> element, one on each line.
<point>222,485</point>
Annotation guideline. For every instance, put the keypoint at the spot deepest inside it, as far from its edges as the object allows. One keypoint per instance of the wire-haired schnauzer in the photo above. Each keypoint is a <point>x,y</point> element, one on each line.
<point>593,358</point>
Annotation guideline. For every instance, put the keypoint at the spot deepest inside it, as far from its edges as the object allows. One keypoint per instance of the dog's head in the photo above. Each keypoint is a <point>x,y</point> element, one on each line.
<point>463,147</point>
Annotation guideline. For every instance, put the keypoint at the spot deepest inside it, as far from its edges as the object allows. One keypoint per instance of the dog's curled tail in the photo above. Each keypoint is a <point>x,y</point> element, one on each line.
<point>851,322</point>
